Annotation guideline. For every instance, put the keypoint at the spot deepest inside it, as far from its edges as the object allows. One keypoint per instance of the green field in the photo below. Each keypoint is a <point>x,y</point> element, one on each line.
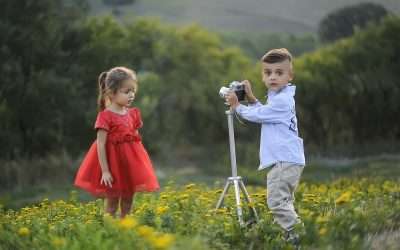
<point>359,213</point>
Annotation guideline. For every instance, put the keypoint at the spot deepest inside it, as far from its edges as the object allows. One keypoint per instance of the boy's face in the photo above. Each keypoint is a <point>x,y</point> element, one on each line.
<point>276,75</point>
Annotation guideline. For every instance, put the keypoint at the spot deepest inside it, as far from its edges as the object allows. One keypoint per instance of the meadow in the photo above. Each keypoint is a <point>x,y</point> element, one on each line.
<point>344,203</point>
<point>347,213</point>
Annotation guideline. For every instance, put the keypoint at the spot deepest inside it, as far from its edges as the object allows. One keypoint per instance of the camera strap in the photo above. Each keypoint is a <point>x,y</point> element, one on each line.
<point>239,119</point>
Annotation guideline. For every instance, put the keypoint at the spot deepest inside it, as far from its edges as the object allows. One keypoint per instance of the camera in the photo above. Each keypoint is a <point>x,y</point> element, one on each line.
<point>235,86</point>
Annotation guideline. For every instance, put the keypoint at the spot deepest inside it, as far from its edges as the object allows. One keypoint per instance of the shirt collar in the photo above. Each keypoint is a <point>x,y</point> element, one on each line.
<point>288,88</point>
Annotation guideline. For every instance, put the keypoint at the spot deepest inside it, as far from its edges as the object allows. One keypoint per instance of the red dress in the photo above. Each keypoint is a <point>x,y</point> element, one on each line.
<point>128,161</point>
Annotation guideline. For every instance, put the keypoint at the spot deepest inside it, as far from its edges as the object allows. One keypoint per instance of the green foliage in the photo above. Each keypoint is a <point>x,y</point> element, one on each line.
<point>118,2</point>
<point>255,44</point>
<point>348,91</point>
<point>344,21</point>
<point>35,90</point>
<point>180,71</point>
<point>51,58</point>
<point>335,215</point>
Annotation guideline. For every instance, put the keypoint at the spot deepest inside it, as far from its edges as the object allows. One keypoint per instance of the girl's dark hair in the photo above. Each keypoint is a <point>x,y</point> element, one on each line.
<point>110,81</point>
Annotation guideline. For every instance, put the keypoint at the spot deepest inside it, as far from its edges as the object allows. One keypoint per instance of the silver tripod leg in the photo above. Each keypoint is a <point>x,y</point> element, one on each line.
<point>238,186</point>
<point>248,199</point>
<point>235,179</point>
<point>237,197</point>
<point>221,198</point>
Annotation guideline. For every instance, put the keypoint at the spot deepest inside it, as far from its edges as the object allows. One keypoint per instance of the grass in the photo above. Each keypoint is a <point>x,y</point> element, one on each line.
<point>336,215</point>
<point>317,171</point>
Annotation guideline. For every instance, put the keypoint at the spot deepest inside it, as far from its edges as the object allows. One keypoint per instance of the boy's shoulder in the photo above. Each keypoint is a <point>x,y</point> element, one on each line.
<point>284,98</point>
<point>288,92</point>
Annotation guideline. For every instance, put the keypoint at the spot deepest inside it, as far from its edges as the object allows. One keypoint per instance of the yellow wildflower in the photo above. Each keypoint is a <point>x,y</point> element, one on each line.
<point>145,231</point>
<point>323,231</point>
<point>184,196</point>
<point>58,242</point>
<point>127,223</point>
<point>190,186</point>
<point>88,222</point>
<point>322,219</point>
<point>161,210</point>
<point>343,198</point>
<point>24,231</point>
<point>163,242</point>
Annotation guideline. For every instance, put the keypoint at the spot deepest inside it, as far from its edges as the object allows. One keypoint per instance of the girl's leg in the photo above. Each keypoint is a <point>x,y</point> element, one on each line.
<point>126,205</point>
<point>112,205</point>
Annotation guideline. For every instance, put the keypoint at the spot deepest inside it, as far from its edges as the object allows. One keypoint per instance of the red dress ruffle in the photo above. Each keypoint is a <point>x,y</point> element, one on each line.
<point>128,161</point>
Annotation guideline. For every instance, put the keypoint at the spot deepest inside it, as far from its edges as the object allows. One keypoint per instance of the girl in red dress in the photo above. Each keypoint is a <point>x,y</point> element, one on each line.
<point>117,165</point>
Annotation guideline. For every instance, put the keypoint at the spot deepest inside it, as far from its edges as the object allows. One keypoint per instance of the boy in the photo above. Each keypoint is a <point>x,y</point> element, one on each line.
<point>281,149</point>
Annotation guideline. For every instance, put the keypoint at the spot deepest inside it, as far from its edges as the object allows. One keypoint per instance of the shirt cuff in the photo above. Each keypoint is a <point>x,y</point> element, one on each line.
<point>239,108</point>
<point>254,103</point>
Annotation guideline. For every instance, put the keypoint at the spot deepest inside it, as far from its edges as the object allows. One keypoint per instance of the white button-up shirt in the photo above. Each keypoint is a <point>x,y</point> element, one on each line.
<point>280,140</point>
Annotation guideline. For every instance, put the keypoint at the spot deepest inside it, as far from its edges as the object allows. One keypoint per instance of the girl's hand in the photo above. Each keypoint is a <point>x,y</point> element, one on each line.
<point>106,179</point>
<point>249,93</point>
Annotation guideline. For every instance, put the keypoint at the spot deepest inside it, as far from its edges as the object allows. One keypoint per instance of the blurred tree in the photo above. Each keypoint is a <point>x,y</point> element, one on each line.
<point>182,71</point>
<point>256,45</point>
<point>35,84</point>
<point>51,58</point>
<point>349,90</point>
<point>343,22</point>
<point>118,2</point>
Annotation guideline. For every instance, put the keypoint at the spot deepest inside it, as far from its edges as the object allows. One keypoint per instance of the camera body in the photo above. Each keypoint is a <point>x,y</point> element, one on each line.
<point>235,86</point>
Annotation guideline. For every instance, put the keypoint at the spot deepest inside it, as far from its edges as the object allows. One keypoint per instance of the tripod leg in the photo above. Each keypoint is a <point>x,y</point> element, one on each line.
<point>221,198</point>
<point>248,199</point>
<point>238,205</point>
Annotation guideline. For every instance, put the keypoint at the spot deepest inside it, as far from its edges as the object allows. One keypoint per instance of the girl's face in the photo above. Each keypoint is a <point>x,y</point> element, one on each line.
<point>276,75</point>
<point>125,95</point>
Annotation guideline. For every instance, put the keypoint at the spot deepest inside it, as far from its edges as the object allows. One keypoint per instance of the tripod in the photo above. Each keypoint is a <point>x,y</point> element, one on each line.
<point>235,180</point>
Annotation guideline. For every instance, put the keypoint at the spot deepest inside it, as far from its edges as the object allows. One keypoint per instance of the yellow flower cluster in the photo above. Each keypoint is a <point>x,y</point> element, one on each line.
<point>178,216</point>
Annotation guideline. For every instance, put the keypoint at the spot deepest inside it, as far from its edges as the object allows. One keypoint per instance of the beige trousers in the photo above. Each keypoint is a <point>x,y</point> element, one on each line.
<point>282,181</point>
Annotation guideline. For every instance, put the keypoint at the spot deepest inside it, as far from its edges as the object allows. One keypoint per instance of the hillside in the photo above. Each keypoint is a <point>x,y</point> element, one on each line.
<point>238,15</point>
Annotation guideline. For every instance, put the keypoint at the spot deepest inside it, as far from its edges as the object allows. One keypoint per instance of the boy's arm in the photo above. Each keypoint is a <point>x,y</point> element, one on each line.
<point>277,111</point>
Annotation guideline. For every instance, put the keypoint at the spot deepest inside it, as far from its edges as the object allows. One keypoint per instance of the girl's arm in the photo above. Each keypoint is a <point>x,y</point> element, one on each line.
<point>106,177</point>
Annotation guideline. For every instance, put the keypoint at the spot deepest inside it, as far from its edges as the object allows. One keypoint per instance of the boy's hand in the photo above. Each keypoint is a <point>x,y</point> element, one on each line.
<point>249,93</point>
<point>106,179</point>
<point>232,100</point>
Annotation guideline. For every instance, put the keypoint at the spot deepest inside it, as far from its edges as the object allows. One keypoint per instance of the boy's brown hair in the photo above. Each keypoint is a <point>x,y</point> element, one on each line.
<point>277,56</point>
